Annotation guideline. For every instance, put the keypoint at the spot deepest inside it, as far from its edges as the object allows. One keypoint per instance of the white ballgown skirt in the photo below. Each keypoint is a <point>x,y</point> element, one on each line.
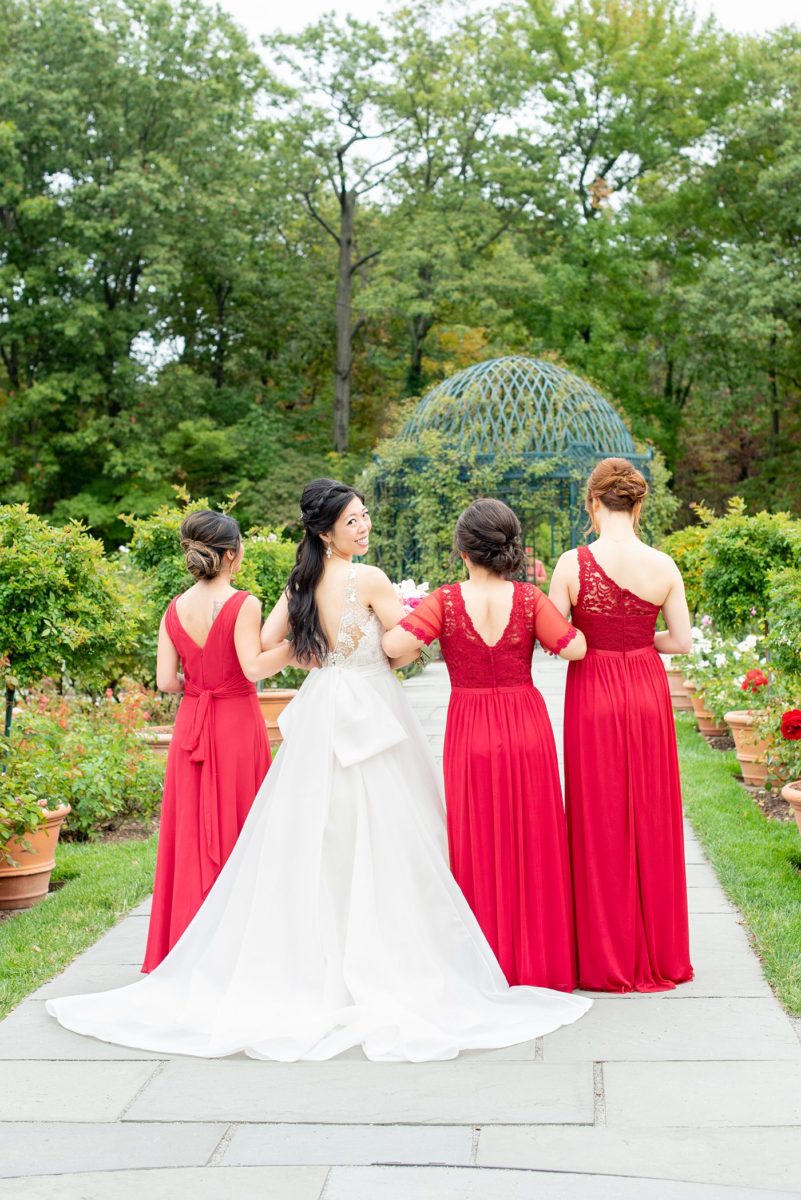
<point>336,921</point>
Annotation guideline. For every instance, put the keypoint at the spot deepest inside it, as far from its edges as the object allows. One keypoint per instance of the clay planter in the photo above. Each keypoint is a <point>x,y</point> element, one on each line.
<point>750,748</point>
<point>791,792</point>
<point>272,702</point>
<point>26,885</point>
<point>158,737</point>
<point>679,696</point>
<point>707,725</point>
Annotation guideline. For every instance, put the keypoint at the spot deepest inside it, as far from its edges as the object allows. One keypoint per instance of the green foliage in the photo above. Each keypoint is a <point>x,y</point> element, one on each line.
<point>784,624</point>
<point>416,490</point>
<point>62,607</point>
<point>687,548</point>
<point>87,754</point>
<point>741,553</point>
<point>21,814</point>
<point>609,182</point>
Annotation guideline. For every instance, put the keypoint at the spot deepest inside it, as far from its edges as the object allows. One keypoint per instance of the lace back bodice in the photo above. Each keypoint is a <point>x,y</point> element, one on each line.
<point>471,662</point>
<point>360,632</point>
<point>610,616</point>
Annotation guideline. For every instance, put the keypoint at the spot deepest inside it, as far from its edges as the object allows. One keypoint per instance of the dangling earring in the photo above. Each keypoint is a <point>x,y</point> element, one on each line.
<point>328,551</point>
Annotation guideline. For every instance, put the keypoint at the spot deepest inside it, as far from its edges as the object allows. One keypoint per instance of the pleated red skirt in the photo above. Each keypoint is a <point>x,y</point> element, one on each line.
<point>507,833</point>
<point>624,814</point>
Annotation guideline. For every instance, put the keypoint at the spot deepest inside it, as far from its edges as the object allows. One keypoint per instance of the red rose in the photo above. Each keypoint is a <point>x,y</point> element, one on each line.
<point>791,725</point>
<point>754,679</point>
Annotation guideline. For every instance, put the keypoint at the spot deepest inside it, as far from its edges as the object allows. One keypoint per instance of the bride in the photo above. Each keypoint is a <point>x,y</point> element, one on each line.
<point>336,921</point>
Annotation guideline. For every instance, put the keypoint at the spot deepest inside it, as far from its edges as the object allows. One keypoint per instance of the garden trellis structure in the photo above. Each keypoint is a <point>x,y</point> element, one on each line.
<point>544,426</point>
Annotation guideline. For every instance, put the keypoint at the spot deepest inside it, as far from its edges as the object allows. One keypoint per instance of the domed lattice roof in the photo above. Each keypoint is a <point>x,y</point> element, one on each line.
<point>527,406</point>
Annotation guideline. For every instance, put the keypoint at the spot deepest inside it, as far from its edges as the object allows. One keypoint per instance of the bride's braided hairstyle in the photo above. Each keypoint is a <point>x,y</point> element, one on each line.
<point>320,505</point>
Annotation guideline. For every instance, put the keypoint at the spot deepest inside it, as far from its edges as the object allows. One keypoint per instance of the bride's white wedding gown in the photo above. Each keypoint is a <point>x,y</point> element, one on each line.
<point>336,921</point>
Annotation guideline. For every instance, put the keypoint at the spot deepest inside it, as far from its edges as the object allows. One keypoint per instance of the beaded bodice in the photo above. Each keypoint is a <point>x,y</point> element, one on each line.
<point>360,631</point>
<point>473,663</point>
<point>610,616</point>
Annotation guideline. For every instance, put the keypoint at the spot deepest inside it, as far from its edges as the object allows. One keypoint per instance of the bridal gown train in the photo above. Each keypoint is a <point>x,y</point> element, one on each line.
<point>336,921</point>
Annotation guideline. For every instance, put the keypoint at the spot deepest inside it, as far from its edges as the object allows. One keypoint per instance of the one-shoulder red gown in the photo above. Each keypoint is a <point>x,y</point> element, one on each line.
<point>623,796</point>
<point>218,757</point>
<point>506,822</point>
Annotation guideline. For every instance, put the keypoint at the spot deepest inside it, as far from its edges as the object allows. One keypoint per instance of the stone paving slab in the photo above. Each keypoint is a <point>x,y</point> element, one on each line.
<point>71,1091</point>
<point>349,1145</point>
<point>88,977</point>
<point>431,1183</point>
<point>721,1094</point>
<point>457,1092</point>
<point>124,944</point>
<point>736,1157</point>
<point>709,899</point>
<point>209,1183</point>
<point>29,1032</point>
<point>699,1029</point>
<point>42,1148</point>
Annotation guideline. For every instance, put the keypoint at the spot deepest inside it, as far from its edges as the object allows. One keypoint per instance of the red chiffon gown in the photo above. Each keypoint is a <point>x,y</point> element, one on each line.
<point>218,758</point>
<point>506,824</point>
<point>623,796</point>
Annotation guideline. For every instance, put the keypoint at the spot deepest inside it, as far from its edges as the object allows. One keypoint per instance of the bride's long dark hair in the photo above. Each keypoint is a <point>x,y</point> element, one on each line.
<point>320,505</point>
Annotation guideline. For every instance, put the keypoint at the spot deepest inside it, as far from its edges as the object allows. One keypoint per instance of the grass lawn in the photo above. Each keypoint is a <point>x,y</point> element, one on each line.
<point>101,882</point>
<point>756,860</point>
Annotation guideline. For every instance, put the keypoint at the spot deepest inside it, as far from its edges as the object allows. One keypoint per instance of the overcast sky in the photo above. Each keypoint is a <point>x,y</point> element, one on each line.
<point>262,16</point>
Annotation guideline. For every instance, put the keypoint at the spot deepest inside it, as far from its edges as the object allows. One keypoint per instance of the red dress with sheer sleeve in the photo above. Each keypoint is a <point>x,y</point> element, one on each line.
<point>506,825</point>
<point>217,760</point>
<point>623,796</point>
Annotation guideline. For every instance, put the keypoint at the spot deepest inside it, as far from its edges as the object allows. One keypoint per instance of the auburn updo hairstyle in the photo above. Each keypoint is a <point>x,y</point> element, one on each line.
<point>320,505</point>
<point>205,537</point>
<point>619,486</point>
<point>488,532</point>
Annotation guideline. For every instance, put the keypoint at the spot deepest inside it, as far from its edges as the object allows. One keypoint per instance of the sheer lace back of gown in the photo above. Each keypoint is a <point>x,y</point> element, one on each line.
<point>360,632</point>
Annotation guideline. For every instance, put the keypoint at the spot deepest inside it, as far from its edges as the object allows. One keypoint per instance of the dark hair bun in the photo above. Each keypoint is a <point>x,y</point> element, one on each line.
<point>488,532</point>
<point>205,537</point>
<point>617,484</point>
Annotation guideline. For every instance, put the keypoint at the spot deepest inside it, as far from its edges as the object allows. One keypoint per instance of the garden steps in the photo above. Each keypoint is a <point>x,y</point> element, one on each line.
<point>686,1095</point>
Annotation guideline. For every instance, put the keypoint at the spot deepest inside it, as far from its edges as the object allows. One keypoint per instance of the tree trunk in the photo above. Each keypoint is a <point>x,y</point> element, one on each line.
<point>420,327</point>
<point>775,407</point>
<point>10,694</point>
<point>344,363</point>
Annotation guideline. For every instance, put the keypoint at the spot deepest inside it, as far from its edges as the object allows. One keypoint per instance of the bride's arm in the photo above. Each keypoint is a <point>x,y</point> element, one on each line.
<point>380,595</point>
<point>275,629</point>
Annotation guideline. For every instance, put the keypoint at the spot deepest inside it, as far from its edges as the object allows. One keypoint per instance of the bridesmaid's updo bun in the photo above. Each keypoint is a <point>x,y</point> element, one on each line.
<point>618,485</point>
<point>205,537</point>
<point>488,532</point>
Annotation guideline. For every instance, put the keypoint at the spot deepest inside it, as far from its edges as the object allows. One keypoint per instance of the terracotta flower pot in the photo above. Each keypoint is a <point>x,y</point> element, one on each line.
<point>791,792</point>
<point>272,702</point>
<point>25,885</point>
<point>751,749</point>
<point>679,696</point>
<point>158,737</point>
<point>707,725</point>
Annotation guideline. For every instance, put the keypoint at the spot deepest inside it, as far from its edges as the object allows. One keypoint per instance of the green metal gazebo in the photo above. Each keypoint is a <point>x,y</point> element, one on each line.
<point>533,412</point>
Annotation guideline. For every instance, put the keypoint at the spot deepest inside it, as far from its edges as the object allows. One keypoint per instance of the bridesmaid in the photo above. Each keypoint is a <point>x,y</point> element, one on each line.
<point>506,825</point>
<point>621,768</point>
<point>220,751</point>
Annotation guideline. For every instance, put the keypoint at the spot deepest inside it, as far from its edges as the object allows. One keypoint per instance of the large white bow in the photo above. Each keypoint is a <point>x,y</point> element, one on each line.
<point>363,723</point>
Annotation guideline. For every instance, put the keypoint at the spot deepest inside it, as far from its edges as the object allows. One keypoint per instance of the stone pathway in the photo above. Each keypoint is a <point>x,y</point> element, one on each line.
<point>689,1095</point>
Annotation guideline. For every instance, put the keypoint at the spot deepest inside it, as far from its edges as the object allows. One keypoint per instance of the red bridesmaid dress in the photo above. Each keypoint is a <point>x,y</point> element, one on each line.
<point>623,796</point>
<point>218,758</point>
<point>506,824</point>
